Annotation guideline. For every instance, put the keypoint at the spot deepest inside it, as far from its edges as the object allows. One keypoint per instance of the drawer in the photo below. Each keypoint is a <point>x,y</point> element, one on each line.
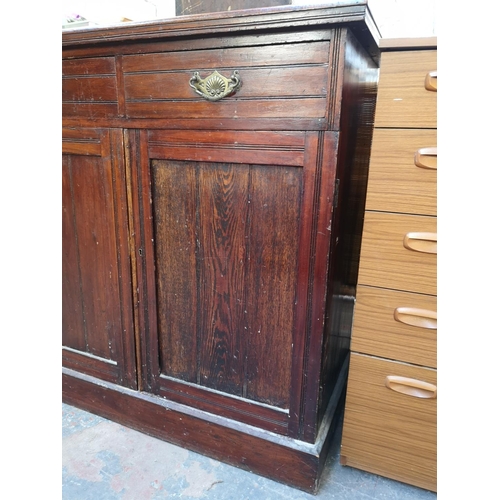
<point>398,251</point>
<point>403,100</point>
<point>403,171</point>
<point>387,432</point>
<point>396,325</point>
<point>89,87</point>
<point>276,81</point>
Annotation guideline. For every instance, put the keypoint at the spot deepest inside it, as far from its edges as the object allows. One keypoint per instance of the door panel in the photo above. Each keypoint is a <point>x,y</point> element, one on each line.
<point>226,268</point>
<point>97,329</point>
<point>226,259</point>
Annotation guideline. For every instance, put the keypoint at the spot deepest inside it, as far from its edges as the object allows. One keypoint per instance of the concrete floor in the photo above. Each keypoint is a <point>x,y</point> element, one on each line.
<point>103,460</point>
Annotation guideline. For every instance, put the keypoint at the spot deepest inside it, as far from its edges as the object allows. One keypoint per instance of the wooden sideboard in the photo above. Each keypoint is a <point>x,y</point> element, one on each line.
<point>390,417</point>
<point>214,178</point>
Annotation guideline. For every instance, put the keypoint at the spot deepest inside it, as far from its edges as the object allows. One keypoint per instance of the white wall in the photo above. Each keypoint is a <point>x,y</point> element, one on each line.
<point>394,18</point>
<point>397,18</point>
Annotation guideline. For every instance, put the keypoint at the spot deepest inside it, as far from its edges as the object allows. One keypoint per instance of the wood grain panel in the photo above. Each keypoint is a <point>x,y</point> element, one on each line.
<point>88,66</point>
<point>73,331</point>
<point>269,82</point>
<point>313,107</point>
<point>259,141</point>
<point>89,87</point>
<point>232,58</point>
<point>395,183</point>
<point>81,148</point>
<point>89,110</point>
<point>97,328</point>
<point>297,70</point>
<point>172,45</point>
<point>386,432</point>
<point>275,208</point>
<point>376,332</point>
<point>402,99</point>
<point>93,201</point>
<point>268,148</point>
<point>386,263</point>
<point>226,261</point>
<point>222,196</point>
<point>174,189</point>
<point>99,89</point>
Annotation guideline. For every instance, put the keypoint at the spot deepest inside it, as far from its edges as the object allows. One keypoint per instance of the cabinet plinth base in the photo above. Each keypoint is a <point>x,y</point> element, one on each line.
<point>286,460</point>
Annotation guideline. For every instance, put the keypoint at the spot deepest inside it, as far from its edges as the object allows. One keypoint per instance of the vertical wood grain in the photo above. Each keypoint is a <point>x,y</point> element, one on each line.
<point>275,205</point>
<point>223,192</point>
<point>226,242</point>
<point>174,188</point>
<point>73,325</point>
<point>92,194</point>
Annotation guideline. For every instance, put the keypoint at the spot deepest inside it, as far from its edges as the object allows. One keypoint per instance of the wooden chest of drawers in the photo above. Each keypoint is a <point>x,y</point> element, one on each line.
<point>390,416</point>
<point>214,177</point>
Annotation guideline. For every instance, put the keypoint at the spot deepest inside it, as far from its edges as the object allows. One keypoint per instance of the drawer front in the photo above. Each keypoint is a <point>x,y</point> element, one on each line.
<point>89,87</point>
<point>403,99</point>
<point>403,171</point>
<point>396,325</point>
<point>277,81</point>
<point>398,252</point>
<point>387,432</point>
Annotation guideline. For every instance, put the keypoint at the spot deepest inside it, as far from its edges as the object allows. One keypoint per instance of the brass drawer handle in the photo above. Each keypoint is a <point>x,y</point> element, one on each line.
<point>412,316</point>
<point>421,242</point>
<point>215,86</point>
<point>431,81</point>
<point>411,387</point>
<point>426,158</point>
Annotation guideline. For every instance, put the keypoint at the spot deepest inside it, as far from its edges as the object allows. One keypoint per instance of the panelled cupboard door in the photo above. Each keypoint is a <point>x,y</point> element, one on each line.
<point>97,326</point>
<point>224,258</point>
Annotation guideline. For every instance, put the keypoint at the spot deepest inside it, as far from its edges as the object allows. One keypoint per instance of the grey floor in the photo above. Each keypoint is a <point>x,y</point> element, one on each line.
<point>103,460</point>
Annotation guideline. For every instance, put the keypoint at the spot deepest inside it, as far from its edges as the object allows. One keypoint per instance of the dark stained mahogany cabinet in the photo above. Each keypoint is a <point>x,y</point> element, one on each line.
<point>214,177</point>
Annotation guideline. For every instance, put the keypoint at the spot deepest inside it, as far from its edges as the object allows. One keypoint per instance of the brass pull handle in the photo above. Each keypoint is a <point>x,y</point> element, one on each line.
<point>215,86</point>
<point>411,387</point>
<point>412,316</point>
<point>431,81</point>
<point>426,158</point>
<point>421,242</point>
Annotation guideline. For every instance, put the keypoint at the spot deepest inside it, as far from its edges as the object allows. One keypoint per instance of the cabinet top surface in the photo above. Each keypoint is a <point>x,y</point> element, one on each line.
<point>354,13</point>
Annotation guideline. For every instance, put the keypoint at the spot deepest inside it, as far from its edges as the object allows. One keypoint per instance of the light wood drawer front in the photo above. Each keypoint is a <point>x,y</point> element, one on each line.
<point>402,100</point>
<point>386,262</point>
<point>396,183</point>
<point>387,432</point>
<point>395,325</point>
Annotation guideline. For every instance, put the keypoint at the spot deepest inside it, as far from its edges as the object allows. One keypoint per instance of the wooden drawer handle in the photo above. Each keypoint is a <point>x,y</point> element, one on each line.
<point>431,81</point>
<point>426,158</point>
<point>411,387</point>
<point>412,316</point>
<point>421,242</point>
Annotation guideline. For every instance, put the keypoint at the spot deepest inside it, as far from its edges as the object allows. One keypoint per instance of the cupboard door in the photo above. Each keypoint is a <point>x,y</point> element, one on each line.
<point>97,325</point>
<point>225,265</point>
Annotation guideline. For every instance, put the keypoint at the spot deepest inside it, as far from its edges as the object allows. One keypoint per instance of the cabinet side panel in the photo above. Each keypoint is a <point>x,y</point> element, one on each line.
<point>275,201</point>
<point>174,188</point>
<point>358,97</point>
